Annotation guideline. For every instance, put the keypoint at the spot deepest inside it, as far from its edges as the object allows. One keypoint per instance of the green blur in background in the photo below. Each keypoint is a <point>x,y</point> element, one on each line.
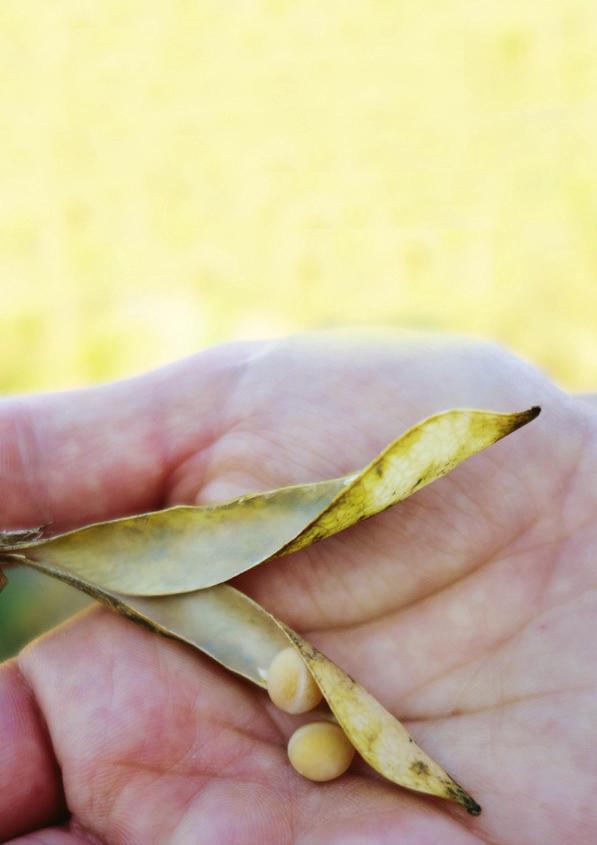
<point>184,173</point>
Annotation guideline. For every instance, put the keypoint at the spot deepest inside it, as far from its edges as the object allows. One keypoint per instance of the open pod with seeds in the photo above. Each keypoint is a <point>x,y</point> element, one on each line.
<point>168,570</point>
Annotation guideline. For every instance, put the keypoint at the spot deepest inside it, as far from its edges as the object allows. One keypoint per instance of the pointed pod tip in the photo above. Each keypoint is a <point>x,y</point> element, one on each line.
<point>524,417</point>
<point>528,415</point>
<point>472,808</point>
<point>461,796</point>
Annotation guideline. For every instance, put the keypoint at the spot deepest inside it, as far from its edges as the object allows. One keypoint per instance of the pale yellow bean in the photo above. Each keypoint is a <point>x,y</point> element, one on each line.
<point>290,684</point>
<point>320,751</point>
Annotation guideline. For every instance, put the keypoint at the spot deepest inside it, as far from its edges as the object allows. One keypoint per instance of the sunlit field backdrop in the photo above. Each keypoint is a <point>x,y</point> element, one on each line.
<point>175,174</point>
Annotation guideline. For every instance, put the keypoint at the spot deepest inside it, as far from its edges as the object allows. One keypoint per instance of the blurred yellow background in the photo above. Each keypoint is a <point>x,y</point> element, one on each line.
<point>175,174</point>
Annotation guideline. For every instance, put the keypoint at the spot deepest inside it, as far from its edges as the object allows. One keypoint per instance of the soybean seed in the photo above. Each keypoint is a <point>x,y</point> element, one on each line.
<point>290,684</point>
<point>320,751</point>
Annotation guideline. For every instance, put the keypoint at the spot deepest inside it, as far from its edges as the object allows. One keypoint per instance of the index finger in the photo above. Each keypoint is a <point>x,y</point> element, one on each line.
<point>86,455</point>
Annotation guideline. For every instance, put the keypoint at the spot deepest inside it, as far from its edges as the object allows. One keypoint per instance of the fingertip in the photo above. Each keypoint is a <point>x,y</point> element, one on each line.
<point>31,793</point>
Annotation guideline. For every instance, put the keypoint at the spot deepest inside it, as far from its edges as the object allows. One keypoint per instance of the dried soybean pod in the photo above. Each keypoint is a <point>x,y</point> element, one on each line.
<point>381,740</point>
<point>242,636</point>
<point>184,548</point>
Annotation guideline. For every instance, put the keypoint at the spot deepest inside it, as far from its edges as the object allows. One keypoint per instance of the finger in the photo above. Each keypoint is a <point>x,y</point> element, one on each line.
<point>140,724</point>
<point>30,786</point>
<point>85,455</point>
<point>590,398</point>
<point>61,835</point>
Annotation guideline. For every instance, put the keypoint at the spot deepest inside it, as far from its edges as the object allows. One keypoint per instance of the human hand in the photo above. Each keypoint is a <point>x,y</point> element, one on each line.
<point>469,610</point>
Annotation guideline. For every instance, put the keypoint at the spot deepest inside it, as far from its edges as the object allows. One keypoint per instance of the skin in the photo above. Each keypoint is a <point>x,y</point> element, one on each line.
<point>469,610</point>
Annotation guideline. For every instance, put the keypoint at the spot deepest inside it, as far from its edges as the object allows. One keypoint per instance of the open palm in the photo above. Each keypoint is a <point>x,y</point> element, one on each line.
<point>469,610</point>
